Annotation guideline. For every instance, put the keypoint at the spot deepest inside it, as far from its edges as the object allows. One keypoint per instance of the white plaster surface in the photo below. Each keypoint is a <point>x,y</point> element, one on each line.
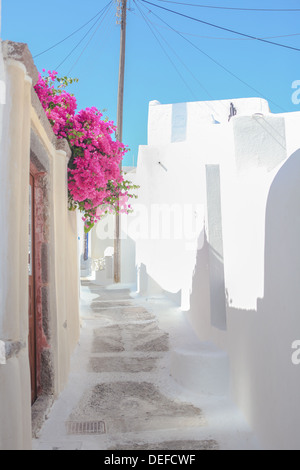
<point>223,422</point>
<point>216,229</point>
<point>257,154</point>
<point>3,186</point>
<point>2,353</point>
<point>17,117</point>
<point>199,116</point>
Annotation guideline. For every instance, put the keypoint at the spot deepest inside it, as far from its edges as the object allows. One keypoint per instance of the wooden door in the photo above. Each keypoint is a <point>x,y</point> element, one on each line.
<point>31,306</point>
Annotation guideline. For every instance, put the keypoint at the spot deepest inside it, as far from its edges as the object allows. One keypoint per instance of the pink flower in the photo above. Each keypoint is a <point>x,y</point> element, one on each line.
<point>96,184</point>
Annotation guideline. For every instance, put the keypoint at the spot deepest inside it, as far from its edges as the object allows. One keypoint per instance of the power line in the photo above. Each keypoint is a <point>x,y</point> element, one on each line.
<point>72,34</point>
<point>217,63</point>
<point>88,43</point>
<point>267,124</point>
<point>226,39</point>
<point>179,58</point>
<point>164,50</point>
<point>82,39</point>
<point>221,27</point>
<point>233,8</point>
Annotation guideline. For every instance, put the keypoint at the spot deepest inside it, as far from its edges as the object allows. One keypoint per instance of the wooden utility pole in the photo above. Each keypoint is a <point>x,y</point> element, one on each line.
<point>119,135</point>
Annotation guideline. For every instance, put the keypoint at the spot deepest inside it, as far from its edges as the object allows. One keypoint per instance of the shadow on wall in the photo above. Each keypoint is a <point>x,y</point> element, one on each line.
<point>208,298</point>
<point>266,384</point>
<point>215,236</point>
<point>217,290</point>
<point>146,284</point>
<point>128,262</point>
<point>199,312</point>
<point>264,381</point>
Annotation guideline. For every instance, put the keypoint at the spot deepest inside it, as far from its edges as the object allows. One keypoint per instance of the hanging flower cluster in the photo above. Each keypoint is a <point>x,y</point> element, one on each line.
<point>96,184</point>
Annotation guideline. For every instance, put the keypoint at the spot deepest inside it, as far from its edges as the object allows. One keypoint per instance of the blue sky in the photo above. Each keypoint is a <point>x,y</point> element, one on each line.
<point>162,64</point>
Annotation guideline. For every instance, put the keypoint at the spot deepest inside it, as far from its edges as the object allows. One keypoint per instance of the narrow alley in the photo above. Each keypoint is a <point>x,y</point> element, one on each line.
<point>121,395</point>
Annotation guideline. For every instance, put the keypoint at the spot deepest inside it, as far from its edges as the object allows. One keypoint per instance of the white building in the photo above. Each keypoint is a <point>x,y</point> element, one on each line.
<point>39,291</point>
<point>217,229</point>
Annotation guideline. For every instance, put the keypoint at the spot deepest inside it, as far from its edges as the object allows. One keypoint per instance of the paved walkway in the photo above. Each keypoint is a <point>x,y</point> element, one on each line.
<point>120,394</point>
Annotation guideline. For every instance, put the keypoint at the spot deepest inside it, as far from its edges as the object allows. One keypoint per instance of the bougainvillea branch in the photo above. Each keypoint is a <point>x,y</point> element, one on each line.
<point>96,184</point>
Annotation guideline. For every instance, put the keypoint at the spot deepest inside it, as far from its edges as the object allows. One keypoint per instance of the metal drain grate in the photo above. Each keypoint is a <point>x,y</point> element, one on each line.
<point>86,427</point>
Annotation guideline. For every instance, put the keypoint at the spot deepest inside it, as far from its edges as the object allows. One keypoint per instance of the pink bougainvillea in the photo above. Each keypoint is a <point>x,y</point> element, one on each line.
<point>96,184</point>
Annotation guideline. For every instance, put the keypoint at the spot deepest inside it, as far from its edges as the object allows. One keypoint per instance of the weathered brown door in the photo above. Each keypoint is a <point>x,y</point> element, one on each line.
<point>32,327</point>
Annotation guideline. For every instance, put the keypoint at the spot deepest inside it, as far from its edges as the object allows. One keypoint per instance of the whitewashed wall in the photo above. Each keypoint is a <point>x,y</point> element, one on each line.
<point>21,117</point>
<point>102,241</point>
<point>183,140</point>
<point>236,272</point>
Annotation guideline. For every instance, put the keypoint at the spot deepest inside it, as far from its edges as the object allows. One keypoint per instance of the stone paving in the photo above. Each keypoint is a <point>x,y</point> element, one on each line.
<point>120,393</point>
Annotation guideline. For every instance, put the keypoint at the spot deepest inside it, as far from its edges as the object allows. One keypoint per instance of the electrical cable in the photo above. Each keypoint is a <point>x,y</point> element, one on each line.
<point>218,63</point>
<point>267,124</point>
<point>164,50</point>
<point>233,8</point>
<point>226,39</point>
<point>72,34</point>
<point>195,78</point>
<point>82,39</point>
<point>89,41</point>
<point>222,28</point>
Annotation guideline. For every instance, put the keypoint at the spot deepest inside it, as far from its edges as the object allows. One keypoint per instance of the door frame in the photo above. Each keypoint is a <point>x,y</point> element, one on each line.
<point>44,301</point>
<point>32,337</point>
